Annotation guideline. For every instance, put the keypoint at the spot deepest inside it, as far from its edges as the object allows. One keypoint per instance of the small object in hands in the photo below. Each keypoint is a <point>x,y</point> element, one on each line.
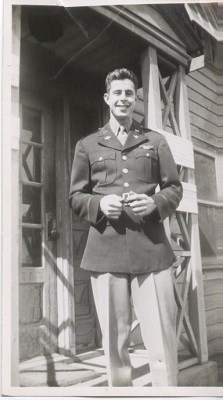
<point>125,196</point>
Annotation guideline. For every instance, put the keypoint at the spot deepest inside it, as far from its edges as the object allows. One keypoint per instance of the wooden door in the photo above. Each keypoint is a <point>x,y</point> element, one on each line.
<point>38,269</point>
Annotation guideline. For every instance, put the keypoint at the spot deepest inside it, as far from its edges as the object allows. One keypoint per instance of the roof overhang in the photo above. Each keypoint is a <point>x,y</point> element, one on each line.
<point>149,33</point>
<point>207,16</point>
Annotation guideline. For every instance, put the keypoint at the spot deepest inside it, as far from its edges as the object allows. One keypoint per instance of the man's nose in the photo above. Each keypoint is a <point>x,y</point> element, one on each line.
<point>122,96</point>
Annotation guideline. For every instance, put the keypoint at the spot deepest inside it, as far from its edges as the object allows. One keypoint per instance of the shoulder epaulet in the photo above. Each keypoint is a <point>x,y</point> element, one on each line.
<point>144,130</point>
<point>148,130</point>
<point>91,133</point>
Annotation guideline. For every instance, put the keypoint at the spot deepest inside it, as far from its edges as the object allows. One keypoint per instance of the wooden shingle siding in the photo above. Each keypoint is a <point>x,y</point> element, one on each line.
<point>209,104</point>
<point>203,103</point>
<point>205,91</point>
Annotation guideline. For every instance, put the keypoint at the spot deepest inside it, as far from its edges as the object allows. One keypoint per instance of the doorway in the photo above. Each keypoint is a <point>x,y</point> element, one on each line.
<point>37,278</point>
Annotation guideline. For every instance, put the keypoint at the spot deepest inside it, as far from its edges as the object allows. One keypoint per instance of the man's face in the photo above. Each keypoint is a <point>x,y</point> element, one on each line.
<point>121,99</point>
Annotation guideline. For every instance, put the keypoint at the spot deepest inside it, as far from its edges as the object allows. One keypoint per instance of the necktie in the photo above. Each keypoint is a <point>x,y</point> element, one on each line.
<point>122,135</point>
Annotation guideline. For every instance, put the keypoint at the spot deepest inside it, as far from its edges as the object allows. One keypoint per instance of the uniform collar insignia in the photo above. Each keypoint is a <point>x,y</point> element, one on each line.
<point>136,136</point>
<point>108,139</point>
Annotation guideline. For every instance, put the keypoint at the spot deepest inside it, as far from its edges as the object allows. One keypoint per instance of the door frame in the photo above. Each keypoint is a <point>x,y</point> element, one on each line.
<point>65,276</point>
<point>63,262</point>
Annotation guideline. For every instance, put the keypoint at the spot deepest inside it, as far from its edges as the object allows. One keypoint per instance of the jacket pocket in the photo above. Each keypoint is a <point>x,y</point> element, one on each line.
<point>103,167</point>
<point>146,164</point>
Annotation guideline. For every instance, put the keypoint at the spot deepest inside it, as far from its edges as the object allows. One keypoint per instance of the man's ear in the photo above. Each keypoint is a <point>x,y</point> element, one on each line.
<point>106,98</point>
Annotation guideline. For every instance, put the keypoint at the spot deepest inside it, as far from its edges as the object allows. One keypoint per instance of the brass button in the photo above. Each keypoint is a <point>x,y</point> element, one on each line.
<point>126,184</point>
<point>125,170</point>
<point>124,158</point>
<point>100,158</point>
<point>147,154</point>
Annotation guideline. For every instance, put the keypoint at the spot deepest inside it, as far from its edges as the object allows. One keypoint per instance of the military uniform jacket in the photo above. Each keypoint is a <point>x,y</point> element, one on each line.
<point>102,166</point>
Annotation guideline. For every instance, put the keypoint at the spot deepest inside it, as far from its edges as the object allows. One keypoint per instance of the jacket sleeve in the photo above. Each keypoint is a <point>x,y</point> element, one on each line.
<point>85,204</point>
<point>170,194</point>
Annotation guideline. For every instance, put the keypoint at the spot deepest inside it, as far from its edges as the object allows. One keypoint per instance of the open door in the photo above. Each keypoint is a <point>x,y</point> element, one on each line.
<point>37,270</point>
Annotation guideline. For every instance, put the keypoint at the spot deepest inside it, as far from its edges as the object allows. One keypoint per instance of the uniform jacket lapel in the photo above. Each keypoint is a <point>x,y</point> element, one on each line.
<point>136,136</point>
<point>108,139</point>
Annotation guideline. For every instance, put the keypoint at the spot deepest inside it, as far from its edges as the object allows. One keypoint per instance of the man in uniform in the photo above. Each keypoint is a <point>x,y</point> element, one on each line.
<point>114,176</point>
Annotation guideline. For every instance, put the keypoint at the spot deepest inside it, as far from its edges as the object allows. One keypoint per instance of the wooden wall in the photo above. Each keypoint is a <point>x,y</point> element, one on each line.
<point>205,90</point>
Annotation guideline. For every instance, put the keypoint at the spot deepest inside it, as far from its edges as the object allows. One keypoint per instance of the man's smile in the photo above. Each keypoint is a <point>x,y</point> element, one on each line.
<point>125,106</point>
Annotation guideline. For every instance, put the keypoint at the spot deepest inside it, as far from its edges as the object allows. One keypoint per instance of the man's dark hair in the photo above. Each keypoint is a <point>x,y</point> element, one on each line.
<point>120,74</point>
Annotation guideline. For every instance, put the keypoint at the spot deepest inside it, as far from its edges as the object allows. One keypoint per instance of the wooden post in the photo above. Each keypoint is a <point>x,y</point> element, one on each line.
<point>181,105</point>
<point>152,100</point>
<point>151,89</point>
<point>65,279</point>
<point>195,293</point>
<point>195,322</point>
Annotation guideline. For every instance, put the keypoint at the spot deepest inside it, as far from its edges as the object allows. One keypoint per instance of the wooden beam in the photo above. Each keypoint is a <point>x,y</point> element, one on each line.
<point>196,295</point>
<point>151,90</point>
<point>184,230</point>
<point>181,148</point>
<point>187,344</point>
<point>182,106</point>
<point>189,200</point>
<point>182,253</point>
<point>168,111</point>
<point>187,363</point>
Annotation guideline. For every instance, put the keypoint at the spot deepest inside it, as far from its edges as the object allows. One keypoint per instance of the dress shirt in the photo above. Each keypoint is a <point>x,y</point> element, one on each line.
<point>115,126</point>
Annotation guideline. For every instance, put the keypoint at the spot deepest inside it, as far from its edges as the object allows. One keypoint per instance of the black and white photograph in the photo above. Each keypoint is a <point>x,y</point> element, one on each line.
<point>112,198</point>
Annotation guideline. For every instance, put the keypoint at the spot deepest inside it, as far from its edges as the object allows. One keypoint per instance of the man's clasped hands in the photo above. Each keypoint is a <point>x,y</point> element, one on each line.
<point>141,204</point>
